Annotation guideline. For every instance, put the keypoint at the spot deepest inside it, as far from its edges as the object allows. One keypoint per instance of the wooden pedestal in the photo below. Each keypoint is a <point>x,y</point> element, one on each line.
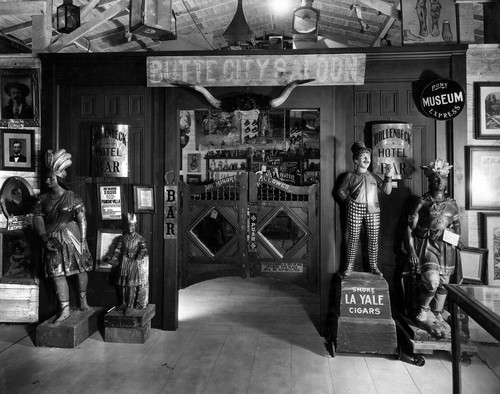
<point>128,329</point>
<point>364,322</point>
<point>70,332</point>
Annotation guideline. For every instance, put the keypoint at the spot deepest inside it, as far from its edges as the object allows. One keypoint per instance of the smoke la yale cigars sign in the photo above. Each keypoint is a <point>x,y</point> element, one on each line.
<point>443,99</point>
<point>260,70</point>
<point>110,150</point>
<point>392,146</point>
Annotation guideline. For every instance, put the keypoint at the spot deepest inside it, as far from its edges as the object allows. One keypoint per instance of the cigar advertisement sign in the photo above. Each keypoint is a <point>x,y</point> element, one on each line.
<point>110,150</point>
<point>392,146</point>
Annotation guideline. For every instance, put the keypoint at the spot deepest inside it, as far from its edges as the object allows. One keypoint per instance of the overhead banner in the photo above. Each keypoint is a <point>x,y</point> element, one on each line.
<point>392,146</point>
<point>110,150</point>
<point>260,70</point>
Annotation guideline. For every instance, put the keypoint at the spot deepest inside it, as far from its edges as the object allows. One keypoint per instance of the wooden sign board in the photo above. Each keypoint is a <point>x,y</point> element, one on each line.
<point>261,70</point>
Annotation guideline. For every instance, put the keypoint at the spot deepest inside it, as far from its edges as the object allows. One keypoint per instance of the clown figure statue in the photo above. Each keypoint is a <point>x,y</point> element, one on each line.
<point>132,264</point>
<point>360,191</point>
<point>432,240</point>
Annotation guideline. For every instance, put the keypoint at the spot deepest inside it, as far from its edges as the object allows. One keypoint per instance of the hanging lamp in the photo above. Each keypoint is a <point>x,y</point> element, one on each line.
<point>68,17</point>
<point>153,18</point>
<point>305,22</point>
<point>238,32</point>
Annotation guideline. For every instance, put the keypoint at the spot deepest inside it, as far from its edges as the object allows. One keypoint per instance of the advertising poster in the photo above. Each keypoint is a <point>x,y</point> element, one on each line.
<point>111,202</point>
<point>392,146</point>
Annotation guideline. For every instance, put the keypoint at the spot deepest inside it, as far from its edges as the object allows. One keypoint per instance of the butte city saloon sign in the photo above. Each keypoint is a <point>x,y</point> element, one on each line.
<point>443,99</point>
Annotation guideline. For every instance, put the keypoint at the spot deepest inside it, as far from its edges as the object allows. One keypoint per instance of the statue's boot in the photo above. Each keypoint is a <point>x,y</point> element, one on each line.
<point>121,307</point>
<point>65,312</point>
<point>374,269</point>
<point>445,327</point>
<point>349,270</point>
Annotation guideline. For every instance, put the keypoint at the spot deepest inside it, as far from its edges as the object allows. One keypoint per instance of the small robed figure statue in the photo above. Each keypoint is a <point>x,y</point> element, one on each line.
<point>131,260</point>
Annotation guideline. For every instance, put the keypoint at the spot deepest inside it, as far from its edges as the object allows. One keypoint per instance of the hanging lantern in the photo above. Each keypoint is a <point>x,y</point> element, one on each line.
<point>305,22</point>
<point>68,17</point>
<point>153,18</point>
<point>238,32</point>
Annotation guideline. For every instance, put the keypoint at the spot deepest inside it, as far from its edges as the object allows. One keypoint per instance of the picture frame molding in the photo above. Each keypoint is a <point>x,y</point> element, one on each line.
<point>480,92</point>
<point>27,135</point>
<point>482,270</point>
<point>473,192</point>
<point>488,242</point>
<point>104,247</point>
<point>139,207</point>
<point>22,73</point>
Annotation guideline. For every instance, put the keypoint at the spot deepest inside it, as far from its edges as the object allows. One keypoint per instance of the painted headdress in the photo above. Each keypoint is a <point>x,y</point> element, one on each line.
<point>58,162</point>
<point>131,218</point>
<point>439,167</point>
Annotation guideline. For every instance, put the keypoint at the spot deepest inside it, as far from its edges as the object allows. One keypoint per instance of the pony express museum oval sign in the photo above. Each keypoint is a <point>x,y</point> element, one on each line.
<point>443,99</point>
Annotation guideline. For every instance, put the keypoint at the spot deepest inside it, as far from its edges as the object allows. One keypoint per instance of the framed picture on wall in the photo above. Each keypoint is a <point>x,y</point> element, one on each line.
<point>19,97</point>
<point>110,201</point>
<point>144,199</point>
<point>483,177</point>
<point>474,265</point>
<point>490,226</point>
<point>106,243</point>
<point>487,116</point>
<point>18,261</point>
<point>18,150</point>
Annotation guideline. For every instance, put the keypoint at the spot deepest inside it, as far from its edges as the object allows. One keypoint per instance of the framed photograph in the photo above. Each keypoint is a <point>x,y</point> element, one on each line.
<point>483,177</point>
<point>106,243</point>
<point>18,150</point>
<point>193,179</point>
<point>144,199</point>
<point>487,116</point>
<point>18,259</point>
<point>474,265</point>
<point>110,201</point>
<point>490,226</point>
<point>194,162</point>
<point>19,97</point>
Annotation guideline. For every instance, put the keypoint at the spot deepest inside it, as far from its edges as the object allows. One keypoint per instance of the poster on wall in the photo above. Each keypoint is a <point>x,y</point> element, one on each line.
<point>429,21</point>
<point>110,150</point>
<point>392,146</point>
<point>110,201</point>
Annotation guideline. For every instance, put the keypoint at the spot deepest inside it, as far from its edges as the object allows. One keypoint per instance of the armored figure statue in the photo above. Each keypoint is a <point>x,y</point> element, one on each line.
<point>360,191</point>
<point>59,219</point>
<point>432,239</point>
<point>132,264</point>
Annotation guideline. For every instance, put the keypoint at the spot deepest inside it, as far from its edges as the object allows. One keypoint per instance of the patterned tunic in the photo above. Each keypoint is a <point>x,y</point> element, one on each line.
<point>134,264</point>
<point>60,218</point>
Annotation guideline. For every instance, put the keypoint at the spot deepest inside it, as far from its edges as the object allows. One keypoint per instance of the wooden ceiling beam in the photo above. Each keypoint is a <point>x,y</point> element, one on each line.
<point>92,24</point>
<point>389,21</point>
<point>382,7</point>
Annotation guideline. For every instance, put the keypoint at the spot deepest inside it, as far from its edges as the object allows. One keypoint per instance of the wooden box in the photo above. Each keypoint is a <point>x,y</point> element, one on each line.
<point>18,303</point>
<point>128,329</point>
<point>70,332</point>
<point>364,322</point>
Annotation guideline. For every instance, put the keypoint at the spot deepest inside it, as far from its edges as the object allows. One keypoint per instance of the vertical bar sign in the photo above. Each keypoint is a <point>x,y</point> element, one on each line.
<point>110,150</point>
<point>392,146</point>
<point>252,232</point>
<point>170,224</point>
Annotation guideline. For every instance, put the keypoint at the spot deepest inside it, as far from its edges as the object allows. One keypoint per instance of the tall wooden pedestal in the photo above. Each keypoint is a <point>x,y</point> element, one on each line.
<point>128,329</point>
<point>363,322</point>
<point>70,332</point>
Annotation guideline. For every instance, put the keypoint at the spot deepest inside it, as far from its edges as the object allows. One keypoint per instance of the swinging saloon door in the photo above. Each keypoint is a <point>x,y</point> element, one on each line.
<point>250,225</point>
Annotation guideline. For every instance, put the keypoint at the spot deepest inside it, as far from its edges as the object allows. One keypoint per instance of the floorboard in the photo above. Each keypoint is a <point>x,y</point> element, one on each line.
<point>253,336</point>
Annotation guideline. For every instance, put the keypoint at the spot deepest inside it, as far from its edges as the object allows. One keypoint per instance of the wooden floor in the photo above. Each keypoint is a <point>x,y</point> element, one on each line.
<point>234,336</point>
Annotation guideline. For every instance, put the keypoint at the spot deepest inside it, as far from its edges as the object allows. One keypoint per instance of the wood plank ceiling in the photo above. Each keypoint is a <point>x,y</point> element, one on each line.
<point>105,24</point>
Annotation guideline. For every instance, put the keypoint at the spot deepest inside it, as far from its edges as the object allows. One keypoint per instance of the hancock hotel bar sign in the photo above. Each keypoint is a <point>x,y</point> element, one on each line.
<point>261,70</point>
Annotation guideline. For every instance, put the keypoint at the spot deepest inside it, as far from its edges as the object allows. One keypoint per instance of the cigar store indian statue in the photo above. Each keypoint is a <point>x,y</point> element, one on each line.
<point>432,240</point>
<point>59,219</point>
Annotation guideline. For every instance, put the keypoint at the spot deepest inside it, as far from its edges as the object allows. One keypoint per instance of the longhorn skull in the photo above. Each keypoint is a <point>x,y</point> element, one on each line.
<point>245,101</point>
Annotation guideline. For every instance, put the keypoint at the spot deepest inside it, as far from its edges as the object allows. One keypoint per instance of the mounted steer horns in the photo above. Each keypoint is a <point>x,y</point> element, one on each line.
<point>245,101</point>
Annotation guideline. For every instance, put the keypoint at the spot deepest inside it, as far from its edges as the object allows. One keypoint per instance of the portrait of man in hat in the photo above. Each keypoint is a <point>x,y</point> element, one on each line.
<point>17,107</point>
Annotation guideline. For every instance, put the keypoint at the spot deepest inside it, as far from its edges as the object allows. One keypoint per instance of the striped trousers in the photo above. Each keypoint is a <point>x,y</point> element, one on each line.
<point>356,214</point>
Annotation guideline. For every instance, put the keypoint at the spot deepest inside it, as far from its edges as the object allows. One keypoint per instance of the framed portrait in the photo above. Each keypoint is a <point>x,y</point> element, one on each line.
<point>144,199</point>
<point>19,97</point>
<point>18,150</point>
<point>487,116</point>
<point>194,162</point>
<point>483,177</point>
<point>110,199</point>
<point>18,259</point>
<point>490,226</point>
<point>474,265</point>
<point>106,243</point>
